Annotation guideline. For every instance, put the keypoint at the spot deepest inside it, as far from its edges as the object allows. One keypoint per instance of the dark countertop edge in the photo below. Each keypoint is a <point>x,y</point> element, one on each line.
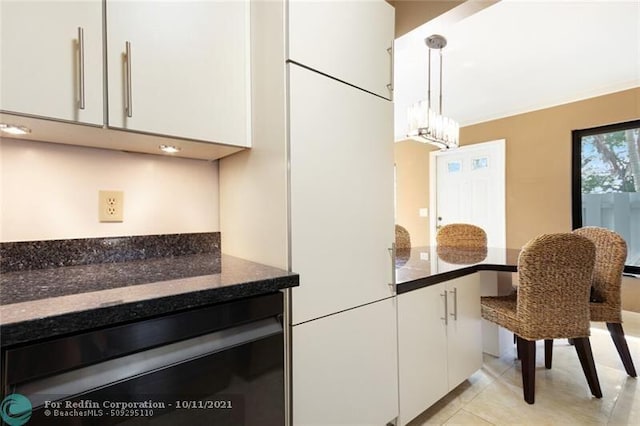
<point>430,280</point>
<point>36,330</point>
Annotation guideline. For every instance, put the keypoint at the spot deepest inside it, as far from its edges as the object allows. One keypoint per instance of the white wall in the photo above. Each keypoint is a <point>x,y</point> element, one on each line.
<point>50,191</point>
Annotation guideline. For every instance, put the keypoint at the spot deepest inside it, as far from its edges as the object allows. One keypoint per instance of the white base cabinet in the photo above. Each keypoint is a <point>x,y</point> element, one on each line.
<point>436,354</point>
<point>345,368</point>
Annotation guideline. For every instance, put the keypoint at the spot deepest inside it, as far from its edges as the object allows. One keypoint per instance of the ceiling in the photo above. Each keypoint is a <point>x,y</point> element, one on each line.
<point>516,56</point>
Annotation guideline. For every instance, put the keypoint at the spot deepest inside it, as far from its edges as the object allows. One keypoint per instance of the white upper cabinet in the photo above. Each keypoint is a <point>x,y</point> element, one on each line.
<point>180,68</point>
<point>348,40</point>
<point>51,55</point>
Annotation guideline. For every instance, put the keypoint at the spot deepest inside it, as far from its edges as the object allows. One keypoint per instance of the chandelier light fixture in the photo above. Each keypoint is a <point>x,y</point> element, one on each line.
<point>425,124</point>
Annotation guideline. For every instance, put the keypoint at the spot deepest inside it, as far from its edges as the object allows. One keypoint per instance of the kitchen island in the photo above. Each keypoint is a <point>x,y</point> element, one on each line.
<point>441,335</point>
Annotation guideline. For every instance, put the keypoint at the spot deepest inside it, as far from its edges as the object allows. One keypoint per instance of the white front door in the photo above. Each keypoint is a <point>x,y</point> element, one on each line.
<point>468,186</point>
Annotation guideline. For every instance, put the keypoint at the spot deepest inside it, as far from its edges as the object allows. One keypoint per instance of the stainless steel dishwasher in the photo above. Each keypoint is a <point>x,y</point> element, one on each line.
<point>217,365</point>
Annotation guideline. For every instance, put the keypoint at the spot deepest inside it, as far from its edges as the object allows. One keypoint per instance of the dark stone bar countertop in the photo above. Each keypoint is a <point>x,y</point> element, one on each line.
<point>43,303</point>
<point>424,266</point>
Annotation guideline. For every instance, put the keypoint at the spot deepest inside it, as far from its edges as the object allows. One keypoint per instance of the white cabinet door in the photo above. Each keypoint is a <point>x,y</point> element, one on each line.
<point>345,368</point>
<point>341,151</point>
<point>464,330</point>
<point>434,358</point>
<point>422,354</point>
<point>348,40</point>
<point>189,68</point>
<point>41,55</point>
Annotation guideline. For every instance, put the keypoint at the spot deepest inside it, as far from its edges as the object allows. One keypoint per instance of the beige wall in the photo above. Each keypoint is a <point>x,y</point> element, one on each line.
<point>538,158</point>
<point>538,168</point>
<point>410,14</point>
<point>50,191</point>
<point>412,189</point>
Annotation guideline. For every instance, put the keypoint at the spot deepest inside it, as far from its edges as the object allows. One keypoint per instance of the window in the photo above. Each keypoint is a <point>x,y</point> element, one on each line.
<point>479,163</point>
<point>454,166</point>
<point>606,183</point>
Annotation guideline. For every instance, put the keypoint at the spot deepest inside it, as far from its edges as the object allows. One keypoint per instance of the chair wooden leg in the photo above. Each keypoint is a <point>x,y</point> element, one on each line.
<point>617,334</point>
<point>518,347</point>
<point>583,348</point>
<point>548,353</point>
<point>528,352</point>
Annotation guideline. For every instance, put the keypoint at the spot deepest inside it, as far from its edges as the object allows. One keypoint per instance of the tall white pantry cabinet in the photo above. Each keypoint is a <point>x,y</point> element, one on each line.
<point>315,195</point>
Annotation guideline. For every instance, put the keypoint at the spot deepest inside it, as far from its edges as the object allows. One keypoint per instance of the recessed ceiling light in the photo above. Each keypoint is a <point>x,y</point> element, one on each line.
<point>170,149</point>
<point>13,129</point>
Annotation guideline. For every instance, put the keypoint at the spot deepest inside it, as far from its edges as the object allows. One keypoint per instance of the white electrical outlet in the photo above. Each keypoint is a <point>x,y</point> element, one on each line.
<point>110,206</point>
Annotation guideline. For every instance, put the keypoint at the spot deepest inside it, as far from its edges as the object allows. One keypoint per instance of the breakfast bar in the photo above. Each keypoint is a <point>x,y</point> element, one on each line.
<point>441,335</point>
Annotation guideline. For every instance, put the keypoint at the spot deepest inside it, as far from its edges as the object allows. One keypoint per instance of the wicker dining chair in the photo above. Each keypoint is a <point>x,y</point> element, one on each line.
<point>552,302</point>
<point>403,239</point>
<point>605,305</point>
<point>403,245</point>
<point>461,235</point>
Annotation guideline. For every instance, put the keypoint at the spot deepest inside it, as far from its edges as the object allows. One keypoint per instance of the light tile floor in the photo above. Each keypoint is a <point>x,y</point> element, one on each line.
<point>493,395</point>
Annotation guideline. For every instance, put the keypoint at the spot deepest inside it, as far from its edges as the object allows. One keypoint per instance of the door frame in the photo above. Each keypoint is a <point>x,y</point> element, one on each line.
<point>433,177</point>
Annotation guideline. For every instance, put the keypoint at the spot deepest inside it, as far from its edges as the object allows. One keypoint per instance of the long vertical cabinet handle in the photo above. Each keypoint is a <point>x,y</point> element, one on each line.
<point>392,253</point>
<point>81,104</point>
<point>391,52</point>
<point>455,303</point>
<point>446,308</point>
<point>129,98</point>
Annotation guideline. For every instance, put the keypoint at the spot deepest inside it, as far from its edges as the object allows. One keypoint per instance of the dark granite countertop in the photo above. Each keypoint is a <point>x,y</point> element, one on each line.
<point>423,266</point>
<point>44,303</point>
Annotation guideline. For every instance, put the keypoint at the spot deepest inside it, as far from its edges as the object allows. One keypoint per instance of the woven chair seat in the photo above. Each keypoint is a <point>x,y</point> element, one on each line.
<point>503,311</point>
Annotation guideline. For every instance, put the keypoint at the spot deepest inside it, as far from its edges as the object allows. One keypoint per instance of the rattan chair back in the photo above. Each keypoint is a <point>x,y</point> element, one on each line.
<point>461,235</point>
<point>611,253</point>
<point>403,239</point>
<point>555,272</point>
